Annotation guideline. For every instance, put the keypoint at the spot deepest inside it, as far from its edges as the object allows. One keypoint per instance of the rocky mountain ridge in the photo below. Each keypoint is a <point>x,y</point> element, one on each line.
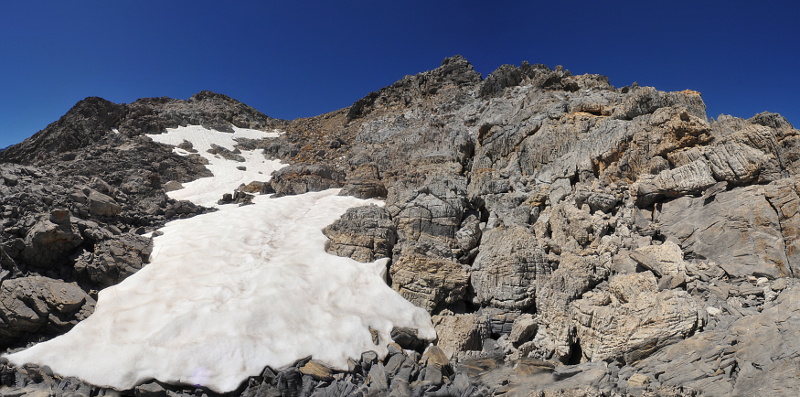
<point>567,237</point>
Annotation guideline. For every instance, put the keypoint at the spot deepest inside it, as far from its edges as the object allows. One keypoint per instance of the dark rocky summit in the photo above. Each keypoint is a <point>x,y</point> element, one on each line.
<point>569,238</point>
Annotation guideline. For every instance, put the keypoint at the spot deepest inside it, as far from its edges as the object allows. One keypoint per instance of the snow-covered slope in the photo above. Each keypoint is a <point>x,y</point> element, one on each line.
<point>206,191</point>
<point>230,292</point>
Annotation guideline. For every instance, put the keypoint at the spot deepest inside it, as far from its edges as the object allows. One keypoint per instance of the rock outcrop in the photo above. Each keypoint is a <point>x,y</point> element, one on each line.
<point>40,305</point>
<point>362,233</point>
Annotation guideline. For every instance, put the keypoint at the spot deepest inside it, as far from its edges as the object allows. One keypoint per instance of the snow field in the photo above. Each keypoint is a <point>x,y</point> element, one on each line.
<point>229,292</point>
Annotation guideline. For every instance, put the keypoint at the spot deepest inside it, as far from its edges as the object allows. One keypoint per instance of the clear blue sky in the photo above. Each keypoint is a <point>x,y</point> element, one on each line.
<point>293,59</point>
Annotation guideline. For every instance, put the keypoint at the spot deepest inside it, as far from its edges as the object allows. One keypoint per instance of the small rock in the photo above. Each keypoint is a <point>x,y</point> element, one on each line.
<point>368,358</point>
<point>523,330</point>
<point>406,338</point>
<point>638,380</point>
<point>317,371</point>
<point>151,389</point>
<point>172,186</point>
<point>779,284</point>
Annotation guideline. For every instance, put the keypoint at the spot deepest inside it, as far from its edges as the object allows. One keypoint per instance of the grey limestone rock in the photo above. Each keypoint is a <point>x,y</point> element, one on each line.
<point>362,233</point>
<point>115,259</point>
<point>506,271</point>
<point>430,214</point>
<point>694,177</point>
<point>740,229</point>
<point>364,182</point>
<point>510,201</point>
<point>47,243</point>
<point>302,178</point>
<point>233,155</point>
<point>751,357</point>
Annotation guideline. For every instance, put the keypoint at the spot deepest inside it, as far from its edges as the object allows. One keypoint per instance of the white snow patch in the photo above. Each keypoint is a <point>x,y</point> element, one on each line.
<point>230,292</point>
<point>207,191</point>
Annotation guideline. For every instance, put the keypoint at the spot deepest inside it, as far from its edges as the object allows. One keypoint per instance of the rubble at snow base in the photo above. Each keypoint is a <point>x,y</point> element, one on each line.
<point>561,237</point>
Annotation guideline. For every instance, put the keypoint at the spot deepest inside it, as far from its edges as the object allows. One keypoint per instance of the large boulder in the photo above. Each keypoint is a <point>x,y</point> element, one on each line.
<point>362,233</point>
<point>631,319</point>
<point>305,177</point>
<point>51,239</point>
<point>460,333</point>
<point>115,259</point>
<point>102,205</point>
<point>507,267</point>
<point>36,304</point>
<point>665,261</point>
<point>429,283</point>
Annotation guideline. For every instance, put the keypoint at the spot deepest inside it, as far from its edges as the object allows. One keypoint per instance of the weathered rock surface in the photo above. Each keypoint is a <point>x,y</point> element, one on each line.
<point>754,356</point>
<point>739,229</point>
<point>115,259</point>
<point>505,273</point>
<point>362,233</point>
<point>575,276</point>
<point>39,304</point>
<point>632,319</point>
<point>302,178</point>
<point>460,333</point>
<point>429,283</point>
<point>47,242</point>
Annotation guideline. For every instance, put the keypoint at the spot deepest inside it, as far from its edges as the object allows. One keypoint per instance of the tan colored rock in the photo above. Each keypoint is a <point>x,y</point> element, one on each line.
<point>575,276</point>
<point>102,205</point>
<point>631,319</point>
<point>460,333</point>
<point>665,260</point>
<point>429,283</point>
<point>638,380</point>
<point>172,186</point>
<point>317,371</point>
<point>574,228</point>
<point>523,329</point>
<point>256,187</point>
<point>435,356</point>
